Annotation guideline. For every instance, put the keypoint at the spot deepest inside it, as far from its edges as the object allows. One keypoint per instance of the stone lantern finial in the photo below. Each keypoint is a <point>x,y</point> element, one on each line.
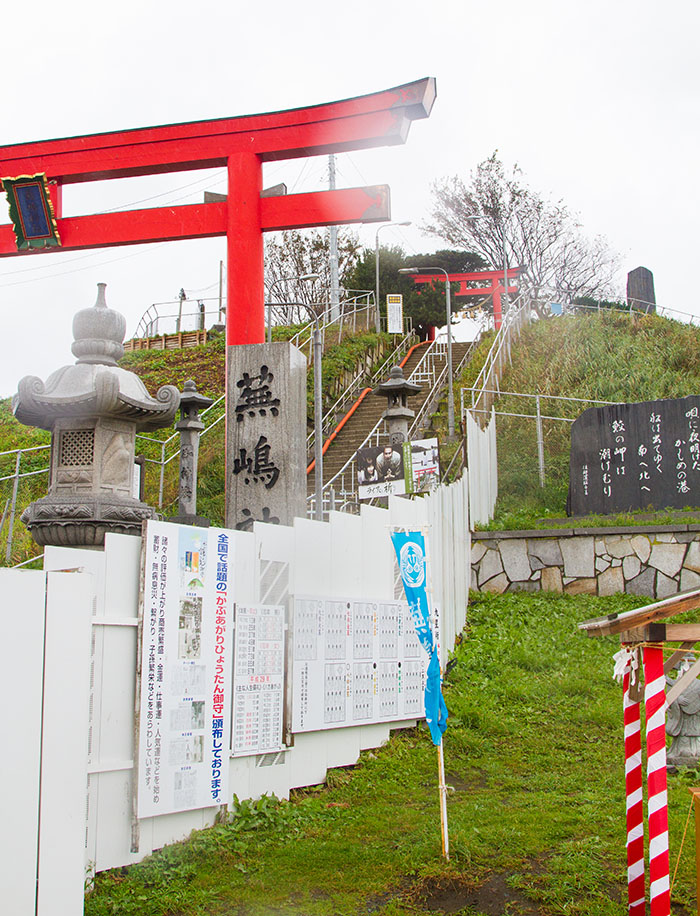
<point>99,332</point>
<point>93,410</point>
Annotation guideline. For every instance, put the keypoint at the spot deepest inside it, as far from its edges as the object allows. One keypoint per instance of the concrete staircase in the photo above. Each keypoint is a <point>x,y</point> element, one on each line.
<point>366,415</point>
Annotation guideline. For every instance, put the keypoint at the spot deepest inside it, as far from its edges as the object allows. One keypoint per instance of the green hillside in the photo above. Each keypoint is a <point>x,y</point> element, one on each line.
<point>610,356</point>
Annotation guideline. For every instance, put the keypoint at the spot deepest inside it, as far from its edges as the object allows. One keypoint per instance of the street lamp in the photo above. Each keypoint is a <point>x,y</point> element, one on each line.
<point>448,308</point>
<point>269,304</point>
<point>376,264</point>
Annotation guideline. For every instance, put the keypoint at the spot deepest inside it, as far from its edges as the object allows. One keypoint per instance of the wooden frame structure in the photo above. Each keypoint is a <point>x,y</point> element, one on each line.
<point>645,630</point>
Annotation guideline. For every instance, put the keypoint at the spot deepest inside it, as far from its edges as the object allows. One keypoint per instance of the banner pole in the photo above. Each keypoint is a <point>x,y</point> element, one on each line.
<point>443,804</point>
<point>442,786</point>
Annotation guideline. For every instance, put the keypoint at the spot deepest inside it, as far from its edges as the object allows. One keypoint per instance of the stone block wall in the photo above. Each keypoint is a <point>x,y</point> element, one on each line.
<point>652,561</point>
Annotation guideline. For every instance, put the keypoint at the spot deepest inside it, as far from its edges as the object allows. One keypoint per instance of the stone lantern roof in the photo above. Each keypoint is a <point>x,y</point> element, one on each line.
<point>397,388</point>
<point>93,410</point>
<point>95,385</point>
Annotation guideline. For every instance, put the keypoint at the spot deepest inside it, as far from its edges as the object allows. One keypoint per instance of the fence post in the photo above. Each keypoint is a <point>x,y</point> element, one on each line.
<point>15,486</point>
<point>540,441</point>
<point>162,475</point>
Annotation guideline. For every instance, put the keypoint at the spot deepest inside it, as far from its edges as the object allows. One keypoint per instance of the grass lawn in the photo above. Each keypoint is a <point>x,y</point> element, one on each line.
<point>534,754</point>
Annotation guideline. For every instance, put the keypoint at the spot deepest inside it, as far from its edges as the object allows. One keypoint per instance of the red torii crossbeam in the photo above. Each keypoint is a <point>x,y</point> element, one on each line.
<point>495,288</point>
<point>242,145</point>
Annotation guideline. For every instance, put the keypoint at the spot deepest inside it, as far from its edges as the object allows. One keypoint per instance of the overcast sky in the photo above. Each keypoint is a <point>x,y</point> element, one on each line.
<point>596,102</point>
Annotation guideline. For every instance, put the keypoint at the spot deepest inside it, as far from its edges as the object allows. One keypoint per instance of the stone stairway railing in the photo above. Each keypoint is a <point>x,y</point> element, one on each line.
<point>340,486</point>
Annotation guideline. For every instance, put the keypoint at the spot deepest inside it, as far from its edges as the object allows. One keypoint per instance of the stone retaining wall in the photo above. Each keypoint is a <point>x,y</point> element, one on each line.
<point>652,561</point>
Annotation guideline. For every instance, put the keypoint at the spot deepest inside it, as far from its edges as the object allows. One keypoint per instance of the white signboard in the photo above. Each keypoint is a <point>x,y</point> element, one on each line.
<point>355,662</point>
<point>394,313</point>
<point>185,669</point>
<point>258,680</point>
<point>425,465</point>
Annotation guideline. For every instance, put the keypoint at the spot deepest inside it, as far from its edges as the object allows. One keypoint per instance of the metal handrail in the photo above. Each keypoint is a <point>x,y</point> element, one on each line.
<point>148,325</point>
<point>361,380</point>
<point>375,429</point>
<point>429,403</point>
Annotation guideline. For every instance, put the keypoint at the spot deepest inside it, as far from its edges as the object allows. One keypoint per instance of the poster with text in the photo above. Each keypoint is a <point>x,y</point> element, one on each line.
<point>394,313</point>
<point>258,679</point>
<point>380,471</point>
<point>185,710</point>
<point>354,663</point>
<point>425,466</point>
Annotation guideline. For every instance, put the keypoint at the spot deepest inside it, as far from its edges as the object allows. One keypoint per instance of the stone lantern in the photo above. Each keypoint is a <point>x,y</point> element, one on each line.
<point>93,410</point>
<point>396,389</point>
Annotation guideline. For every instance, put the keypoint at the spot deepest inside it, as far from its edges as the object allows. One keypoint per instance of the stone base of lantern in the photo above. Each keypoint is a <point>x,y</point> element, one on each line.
<point>199,521</point>
<point>83,524</point>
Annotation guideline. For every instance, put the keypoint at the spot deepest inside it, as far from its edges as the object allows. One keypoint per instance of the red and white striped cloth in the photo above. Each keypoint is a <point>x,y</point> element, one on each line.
<point>657,799</point>
<point>635,810</point>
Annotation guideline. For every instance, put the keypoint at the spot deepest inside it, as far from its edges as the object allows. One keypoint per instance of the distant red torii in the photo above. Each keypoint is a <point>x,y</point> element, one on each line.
<point>241,144</point>
<point>495,288</point>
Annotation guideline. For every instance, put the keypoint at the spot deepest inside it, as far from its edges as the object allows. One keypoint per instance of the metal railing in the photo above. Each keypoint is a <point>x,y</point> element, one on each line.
<point>155,321</point>
<point>538,416</point>
<point>344,482</point>
<point>362,380</point>
<point>489,377</point>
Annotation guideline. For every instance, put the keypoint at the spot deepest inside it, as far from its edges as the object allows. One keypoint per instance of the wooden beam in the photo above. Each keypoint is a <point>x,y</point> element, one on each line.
<point>672,660</point>
<point>683,682</point>
<point>208,220</point>
<point>379,119</point>
<point>640,617</point>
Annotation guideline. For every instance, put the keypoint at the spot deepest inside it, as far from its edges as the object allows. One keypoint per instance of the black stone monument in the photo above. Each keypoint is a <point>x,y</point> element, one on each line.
<point>640,290</point>
<point>635,456</point>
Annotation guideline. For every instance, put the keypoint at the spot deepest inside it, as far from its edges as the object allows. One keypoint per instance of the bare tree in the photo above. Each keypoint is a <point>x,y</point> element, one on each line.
<point>296,253</point>
<point>506,222</point>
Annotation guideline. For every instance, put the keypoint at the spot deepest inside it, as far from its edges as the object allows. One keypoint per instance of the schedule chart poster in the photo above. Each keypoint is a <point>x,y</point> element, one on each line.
<point>258,679</point>
<point>185,712</point>
<point>354,663</point>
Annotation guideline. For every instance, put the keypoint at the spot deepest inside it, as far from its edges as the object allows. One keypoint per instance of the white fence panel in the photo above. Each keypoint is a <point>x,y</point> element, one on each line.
<point>90,696</point>
<point>64,750</point>
<point>377,552</point>
<point>482,469</point>
<point>23,611</point>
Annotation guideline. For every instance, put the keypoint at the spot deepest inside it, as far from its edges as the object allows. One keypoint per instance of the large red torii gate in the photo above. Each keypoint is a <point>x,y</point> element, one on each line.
<point>241,144</point>
<point>495,288</point>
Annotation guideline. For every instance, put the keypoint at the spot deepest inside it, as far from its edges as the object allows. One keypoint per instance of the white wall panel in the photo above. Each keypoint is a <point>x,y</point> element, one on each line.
<point>348,556</point>
<point>64,744</point>
<point>347,569</point>
<point>22,624</point>
<point>377,552</point>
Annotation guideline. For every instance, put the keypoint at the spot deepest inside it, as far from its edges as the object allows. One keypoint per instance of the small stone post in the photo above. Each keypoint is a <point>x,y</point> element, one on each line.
<point>190,428</point>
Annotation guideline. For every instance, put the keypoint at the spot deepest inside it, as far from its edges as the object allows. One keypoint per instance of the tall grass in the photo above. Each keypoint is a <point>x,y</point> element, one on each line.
<point>611,356</point>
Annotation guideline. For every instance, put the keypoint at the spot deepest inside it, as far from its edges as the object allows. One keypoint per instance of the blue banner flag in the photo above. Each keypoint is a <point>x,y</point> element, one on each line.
<point>410,552</point>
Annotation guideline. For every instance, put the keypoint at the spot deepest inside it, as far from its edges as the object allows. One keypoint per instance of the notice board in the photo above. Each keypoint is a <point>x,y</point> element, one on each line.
<point>355,662</point>
<point>258,679</point>
<point>185,677</point>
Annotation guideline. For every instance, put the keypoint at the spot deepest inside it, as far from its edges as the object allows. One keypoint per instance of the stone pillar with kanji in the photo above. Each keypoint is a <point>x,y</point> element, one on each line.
<point>266,435</point>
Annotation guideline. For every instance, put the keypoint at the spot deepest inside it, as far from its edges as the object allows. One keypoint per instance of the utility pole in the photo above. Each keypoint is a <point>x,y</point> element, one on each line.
<point>221,289</point>
<point>182,298</point>
<point>335,283</point>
